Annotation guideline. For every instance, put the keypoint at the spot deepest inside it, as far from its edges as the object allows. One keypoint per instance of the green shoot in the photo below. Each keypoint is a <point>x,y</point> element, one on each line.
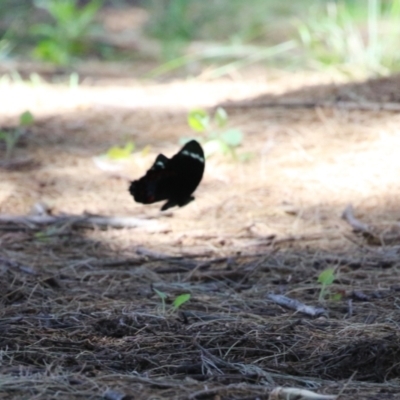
<point>163,296</point>
<point>176,304</point>
<point>326,278</point>
<point>180,300</point>
<point>26,119</point>
<point>198,120</point>
<point>46,234</point>
<point>121,153</point>
<point>221,117</point>
<point>217,140</point>
<point>11,138</point>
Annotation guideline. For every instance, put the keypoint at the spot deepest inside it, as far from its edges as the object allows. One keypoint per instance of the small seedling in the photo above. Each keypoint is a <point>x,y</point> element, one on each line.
<point>26,119</point>
<point>120,153</point>
<point>217,139</point>
<point>11,138</point>
<point>180,300</point>
<point>163,296</point>
<point>46,234</point>
<point>176,304</point>
<point>326,278</point>
<point>114,158</point>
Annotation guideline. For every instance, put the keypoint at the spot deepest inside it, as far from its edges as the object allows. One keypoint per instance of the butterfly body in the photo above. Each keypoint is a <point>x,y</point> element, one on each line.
<point>172,179</point>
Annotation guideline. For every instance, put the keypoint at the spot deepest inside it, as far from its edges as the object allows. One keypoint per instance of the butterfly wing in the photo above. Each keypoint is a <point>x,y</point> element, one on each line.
<point>188,166</point>
<point>172,179</point>
<point>153,186</point>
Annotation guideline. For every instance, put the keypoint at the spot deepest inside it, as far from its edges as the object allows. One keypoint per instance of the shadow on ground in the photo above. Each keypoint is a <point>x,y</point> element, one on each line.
<point>91,312</point>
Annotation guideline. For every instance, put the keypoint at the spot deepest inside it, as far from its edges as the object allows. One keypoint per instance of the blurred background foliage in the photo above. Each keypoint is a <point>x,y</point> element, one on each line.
<point>352,36</point>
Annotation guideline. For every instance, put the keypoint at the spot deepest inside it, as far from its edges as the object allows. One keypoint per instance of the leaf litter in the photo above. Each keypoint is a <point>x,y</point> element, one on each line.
<point>80,315</point>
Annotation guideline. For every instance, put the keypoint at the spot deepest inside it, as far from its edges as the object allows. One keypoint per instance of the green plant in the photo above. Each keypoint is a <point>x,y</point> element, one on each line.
<point>11,137</point>
<point>217,139</point>
<point>176,304</point>
<point>114,158</point>
<point>173,24</point>
<point>354,35</point>
<point>326,278</point>
<point>163,296</point>
<point>120,153</point>
<point>180,300</point>
<point>65,39</point>
<point>5,48</point>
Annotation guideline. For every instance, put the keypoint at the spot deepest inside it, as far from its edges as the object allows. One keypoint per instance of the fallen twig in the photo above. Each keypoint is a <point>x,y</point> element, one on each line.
<point>244,369</point>
<point>110,394</point>
<point>82,221</point>
<point>348,105</point>
<point>19,164</point>
<point>296,305</point>
<point>284,393</point>
<point>359,227</point>
<point>14,264</point>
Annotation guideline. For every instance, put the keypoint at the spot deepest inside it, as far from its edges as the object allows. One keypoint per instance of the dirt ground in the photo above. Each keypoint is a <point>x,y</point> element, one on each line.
<point>80,317</point>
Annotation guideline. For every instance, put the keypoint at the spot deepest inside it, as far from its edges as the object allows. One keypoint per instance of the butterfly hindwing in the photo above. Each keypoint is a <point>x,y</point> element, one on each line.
<point>172,179</point>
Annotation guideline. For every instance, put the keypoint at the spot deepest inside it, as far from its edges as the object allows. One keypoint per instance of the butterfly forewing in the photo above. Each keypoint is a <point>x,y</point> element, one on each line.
<point>189,167</point>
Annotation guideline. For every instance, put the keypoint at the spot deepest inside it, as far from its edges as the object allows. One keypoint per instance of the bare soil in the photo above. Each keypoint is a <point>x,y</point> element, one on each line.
<point>79,314</point>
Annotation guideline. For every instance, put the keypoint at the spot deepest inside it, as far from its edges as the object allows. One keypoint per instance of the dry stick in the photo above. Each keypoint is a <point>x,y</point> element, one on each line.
<point>366,231</point>
<point>13,264</point>
<point>296,393</point>
<point>12,165</point>
<point>358,226</point>
<point>110,394</point>
<point>296,305</point>
<point>238,386</point>
<point>82,221</point>
<point>347,384</point>
<point>236,366</point>
<point>347,105</point>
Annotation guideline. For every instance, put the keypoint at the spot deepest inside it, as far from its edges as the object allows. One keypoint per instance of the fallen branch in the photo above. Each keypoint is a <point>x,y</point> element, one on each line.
<point>14,264</point>
<point>245,369</point>
<point>284,393</point>
<point>347,105</point>
<point>360,227</point>
<point>19,164</point>
<point>357,225</point>
<point>82,221</point>
<point>296,305</point>
<point>110,394</point>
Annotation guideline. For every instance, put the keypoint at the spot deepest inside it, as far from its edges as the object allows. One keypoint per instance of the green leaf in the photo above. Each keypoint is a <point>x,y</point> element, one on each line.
<point>49,50</point>
<point>180,300</point>
<point>327,276</point>
<point>336,297</point>
<point>26,118</point>
<point>160,294</point>
<point>198,120</point>
<point>232,137</point>
<point>221,117</point>
<point>43,30</point>
<point>214,146</point>
<point>118,153</point>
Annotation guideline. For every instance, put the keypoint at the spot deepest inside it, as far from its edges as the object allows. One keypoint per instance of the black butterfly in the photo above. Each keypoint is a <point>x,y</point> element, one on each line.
<point>172,179</point>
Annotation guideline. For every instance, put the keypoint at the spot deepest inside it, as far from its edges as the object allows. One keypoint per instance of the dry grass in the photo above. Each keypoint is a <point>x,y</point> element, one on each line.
<point>79,316</point>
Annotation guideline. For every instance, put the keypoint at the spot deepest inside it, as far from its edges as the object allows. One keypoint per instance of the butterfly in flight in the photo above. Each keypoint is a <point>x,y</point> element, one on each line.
<point>172,179</point>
